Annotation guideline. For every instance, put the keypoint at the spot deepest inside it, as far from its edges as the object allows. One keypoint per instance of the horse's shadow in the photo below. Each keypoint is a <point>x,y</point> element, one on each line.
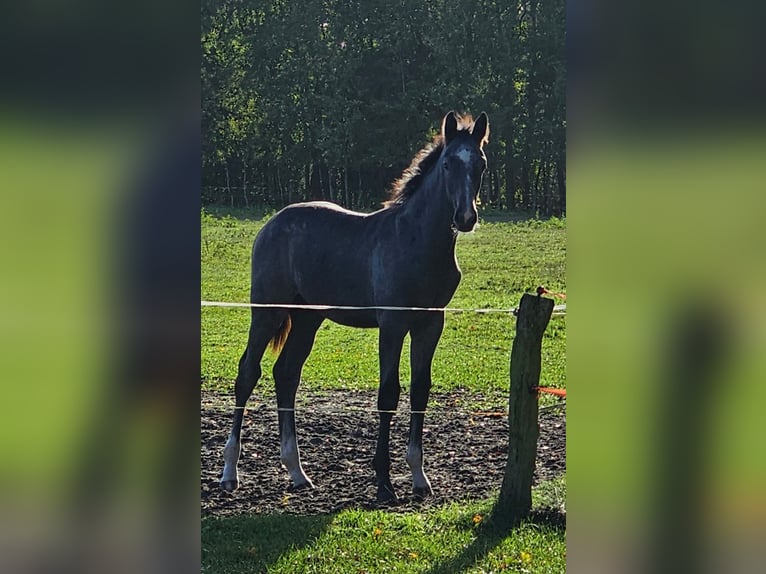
<point>256,542</point>
<point>490,536</point>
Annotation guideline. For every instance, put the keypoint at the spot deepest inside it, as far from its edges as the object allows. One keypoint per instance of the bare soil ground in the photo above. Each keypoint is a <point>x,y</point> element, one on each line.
<point>465,452</point>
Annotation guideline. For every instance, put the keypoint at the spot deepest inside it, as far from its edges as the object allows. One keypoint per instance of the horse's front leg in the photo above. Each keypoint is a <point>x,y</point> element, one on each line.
<point>425,335</point>
<point>390,350</point>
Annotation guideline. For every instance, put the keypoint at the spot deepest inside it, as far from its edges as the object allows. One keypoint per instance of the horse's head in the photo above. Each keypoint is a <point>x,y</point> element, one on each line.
<point>463,163</point>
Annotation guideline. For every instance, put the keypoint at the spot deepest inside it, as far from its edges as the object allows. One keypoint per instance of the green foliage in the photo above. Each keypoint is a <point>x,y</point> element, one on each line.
<point>331,99</point>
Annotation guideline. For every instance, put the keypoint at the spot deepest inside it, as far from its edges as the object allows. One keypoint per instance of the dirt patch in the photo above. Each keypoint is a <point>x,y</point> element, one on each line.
<point>465,453</point>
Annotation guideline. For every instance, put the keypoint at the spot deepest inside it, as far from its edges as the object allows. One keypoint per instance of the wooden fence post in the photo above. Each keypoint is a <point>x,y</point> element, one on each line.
<point>515,500</point>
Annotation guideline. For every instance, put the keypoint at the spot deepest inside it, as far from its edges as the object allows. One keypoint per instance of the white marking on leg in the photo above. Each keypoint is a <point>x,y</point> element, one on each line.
<point>230,459</point>
<point>290,456</point>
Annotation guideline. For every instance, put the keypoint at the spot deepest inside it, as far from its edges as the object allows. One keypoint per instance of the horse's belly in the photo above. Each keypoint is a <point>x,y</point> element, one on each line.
<point>364,319</point>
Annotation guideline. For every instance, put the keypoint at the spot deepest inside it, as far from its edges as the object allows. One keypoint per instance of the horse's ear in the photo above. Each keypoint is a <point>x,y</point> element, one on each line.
<point>449,127</point>
<point>480,130</point>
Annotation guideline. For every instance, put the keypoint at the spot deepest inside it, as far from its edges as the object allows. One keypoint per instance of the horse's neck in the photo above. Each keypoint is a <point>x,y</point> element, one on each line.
<point>430,208</point>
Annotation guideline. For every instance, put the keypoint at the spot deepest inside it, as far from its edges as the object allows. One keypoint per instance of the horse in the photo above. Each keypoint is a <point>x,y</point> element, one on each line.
<point>318,254</point>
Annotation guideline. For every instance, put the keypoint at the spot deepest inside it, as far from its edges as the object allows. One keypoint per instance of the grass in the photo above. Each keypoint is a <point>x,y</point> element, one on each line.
<point>454,538</point>
<point>504,258</point>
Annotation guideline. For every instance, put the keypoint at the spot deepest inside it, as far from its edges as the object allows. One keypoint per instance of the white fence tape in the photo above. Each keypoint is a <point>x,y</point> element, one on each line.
<point>557,309</point>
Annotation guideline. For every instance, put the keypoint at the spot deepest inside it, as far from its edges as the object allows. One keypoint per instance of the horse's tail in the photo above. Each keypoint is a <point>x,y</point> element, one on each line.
<point>278,340</point>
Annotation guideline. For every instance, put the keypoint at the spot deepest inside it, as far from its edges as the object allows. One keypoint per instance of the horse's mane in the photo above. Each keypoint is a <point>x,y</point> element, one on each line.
<point>410,180</point>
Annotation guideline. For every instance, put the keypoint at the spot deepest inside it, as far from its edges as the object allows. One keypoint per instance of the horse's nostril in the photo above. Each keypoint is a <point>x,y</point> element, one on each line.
<point>465,221</point>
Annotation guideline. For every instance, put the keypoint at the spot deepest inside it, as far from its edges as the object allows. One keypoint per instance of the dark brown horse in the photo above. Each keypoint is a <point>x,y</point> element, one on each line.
<point>402,255</point>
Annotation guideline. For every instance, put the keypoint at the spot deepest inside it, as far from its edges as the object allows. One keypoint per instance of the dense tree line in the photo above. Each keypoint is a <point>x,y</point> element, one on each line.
<point>329,99</point>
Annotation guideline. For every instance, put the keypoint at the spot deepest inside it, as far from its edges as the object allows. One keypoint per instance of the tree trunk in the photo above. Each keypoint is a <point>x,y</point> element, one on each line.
<point>228,187</point>
<point>538,194</point>
<point>359,191</point>
<point>244,185</point>
<point>281,188</point>
<point>526,195</point>
<point>315,191</point>
<point>494,189</point>
<point>320,174</point>
<point>510,176</point>
<point>515,500</point>
<point>345,183</point>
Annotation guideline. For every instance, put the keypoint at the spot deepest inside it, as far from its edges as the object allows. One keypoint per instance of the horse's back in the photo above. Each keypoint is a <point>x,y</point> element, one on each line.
<point>316,226</point>
<point>310,215</point>
<point>316,251</point>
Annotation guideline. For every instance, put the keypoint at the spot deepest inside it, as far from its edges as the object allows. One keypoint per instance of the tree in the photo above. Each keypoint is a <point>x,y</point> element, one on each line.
<point>331,99</point>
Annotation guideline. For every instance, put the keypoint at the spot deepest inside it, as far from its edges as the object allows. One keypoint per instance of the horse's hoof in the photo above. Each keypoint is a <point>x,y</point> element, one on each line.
<point>229,485</point>
<point>422,492</point>
<point>386,493</point>
<point>307,485</point>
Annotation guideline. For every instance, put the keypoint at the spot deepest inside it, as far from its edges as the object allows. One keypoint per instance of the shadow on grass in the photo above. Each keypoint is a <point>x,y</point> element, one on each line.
<point>255,542</point>
<point>490,537</point>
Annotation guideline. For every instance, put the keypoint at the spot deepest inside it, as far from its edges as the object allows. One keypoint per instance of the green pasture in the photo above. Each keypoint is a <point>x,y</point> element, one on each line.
<point>501,260</point>
<point>455,538</point>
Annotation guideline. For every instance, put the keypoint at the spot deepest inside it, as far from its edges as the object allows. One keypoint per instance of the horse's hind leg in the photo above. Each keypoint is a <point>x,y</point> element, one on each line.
<point>391,339</point>
<point>425,335</point>
<point>287,374</point>
<point>263,327</point>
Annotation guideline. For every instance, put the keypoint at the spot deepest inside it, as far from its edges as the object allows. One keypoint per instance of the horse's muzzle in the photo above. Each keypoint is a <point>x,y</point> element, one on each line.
<point>466,221</point>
